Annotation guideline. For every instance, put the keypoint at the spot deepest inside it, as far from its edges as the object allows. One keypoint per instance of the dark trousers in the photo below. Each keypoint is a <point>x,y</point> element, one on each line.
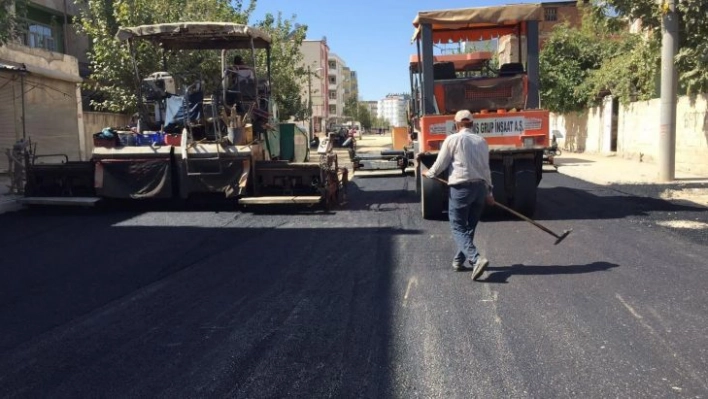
<point>465,207</point>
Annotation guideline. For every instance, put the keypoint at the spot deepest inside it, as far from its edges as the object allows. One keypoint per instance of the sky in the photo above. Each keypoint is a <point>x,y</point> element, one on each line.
<point>372,37</point>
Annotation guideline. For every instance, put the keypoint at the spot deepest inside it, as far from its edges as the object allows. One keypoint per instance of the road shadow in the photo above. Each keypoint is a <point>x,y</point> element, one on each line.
<point>617,201</point>
<point>385,194</point>
<point>566,161</point>
<point>501,274</point>
<point>246,303</point>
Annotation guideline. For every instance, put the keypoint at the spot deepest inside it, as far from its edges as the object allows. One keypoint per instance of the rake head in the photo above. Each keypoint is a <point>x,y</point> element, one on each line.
<point>563,236</point>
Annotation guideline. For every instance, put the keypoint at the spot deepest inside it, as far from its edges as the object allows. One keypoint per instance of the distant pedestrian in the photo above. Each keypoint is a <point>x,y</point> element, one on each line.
<point>465,156</point>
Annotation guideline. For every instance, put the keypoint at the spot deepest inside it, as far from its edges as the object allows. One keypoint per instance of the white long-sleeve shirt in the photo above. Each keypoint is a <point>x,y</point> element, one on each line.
<point>466,155</point>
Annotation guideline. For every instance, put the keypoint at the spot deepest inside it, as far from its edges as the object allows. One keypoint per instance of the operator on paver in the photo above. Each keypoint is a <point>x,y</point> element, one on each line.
<point>466,157</point>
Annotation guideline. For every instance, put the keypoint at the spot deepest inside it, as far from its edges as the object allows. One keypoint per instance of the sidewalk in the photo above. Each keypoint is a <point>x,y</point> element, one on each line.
<point>611,170</point>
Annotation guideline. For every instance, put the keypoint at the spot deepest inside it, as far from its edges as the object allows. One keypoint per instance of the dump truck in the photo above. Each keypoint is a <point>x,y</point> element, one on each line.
<point>196,135</point>
<point>503,97</point>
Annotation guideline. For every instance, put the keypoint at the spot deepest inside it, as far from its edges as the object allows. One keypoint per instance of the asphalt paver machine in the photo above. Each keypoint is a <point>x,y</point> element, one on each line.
<point>195,135</point>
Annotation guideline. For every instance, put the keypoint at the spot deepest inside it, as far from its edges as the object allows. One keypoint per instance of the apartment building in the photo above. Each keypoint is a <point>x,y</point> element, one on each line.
<point>40,73</point>
<point>393,108</point>
<point>337,78</point>
<point>315,56</point>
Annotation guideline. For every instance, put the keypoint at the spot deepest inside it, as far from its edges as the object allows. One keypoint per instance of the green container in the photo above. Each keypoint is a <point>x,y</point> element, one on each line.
<point>287,141</point>
<point>293,144</point>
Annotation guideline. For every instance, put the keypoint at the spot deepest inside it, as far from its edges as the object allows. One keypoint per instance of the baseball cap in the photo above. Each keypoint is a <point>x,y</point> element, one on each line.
<point>462,115</point>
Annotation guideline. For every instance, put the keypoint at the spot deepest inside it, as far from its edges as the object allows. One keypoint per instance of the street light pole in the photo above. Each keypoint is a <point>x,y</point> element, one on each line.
<point>309,101</point>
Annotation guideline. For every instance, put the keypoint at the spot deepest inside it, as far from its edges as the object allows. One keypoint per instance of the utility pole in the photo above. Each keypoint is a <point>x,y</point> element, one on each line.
<point>309,102</point>
<point>669,83</point>
<point>309,97</point>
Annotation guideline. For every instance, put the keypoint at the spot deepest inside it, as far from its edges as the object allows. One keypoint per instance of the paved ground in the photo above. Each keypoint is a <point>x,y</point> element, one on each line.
<point>635,176</point>
<point>361,302</point>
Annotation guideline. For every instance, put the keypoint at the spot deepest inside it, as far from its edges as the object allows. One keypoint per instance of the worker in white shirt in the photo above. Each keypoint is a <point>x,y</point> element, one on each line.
<point>465,156</point>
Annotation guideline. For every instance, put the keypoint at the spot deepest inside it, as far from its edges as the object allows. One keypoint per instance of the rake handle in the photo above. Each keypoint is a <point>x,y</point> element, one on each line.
<point>513,212</point>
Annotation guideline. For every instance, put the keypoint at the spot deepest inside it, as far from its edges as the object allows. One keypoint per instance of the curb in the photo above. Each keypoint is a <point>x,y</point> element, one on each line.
<point>9,205</point>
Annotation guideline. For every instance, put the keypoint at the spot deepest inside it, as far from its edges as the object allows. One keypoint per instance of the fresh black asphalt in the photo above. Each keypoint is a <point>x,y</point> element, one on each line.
<point>360,302</point>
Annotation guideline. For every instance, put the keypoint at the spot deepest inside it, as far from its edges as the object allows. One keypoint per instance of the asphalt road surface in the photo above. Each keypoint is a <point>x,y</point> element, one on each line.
<point>361,302</point>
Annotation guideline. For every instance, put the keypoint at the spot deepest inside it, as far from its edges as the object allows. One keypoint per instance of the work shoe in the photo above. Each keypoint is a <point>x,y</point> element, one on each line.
<point>478,267</point>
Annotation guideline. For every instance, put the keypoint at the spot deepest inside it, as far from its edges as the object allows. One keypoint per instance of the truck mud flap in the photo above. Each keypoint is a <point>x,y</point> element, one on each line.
<point>515,177</point>
<point>433,196</point>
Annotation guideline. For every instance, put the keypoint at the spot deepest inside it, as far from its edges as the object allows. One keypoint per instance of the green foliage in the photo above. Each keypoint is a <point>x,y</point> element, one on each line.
<point>578,66</point>
<point>357,111</point>
<point>351,107</point>
<point>565,61</point>
<point>692,57</point>
<point>630,74</point>
<point>11,14</point>
<point>287,73</point>
<point>581,65</point>
<point>114,76</point>
<point>364,116</point>
<point>113,72</point>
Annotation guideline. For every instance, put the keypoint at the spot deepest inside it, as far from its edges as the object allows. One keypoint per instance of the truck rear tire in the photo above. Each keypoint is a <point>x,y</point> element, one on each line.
<point>525,188</point>
<point>432,198</point>
<point>417,179</point>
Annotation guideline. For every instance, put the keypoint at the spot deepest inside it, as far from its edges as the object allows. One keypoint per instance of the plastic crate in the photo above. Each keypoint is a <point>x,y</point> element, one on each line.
<point>173,139</point>
<point>104,142</point>
<point>150,138</point>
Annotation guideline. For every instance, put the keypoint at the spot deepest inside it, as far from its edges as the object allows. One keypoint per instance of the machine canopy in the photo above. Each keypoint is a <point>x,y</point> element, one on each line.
<point>474,24</point>
<point>198,35</point>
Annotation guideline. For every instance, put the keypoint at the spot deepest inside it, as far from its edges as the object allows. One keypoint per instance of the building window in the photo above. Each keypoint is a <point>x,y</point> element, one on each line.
<point>333,65</point>
<point>42,29</point>
<point>39,36</point>
<point>332,109</point>
<point>551,14</point>
<point>332,80</point>
<point>332,94</point>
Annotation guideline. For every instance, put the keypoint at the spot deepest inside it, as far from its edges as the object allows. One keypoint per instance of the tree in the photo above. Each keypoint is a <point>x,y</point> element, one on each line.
<point>11,15</point>
<point>351,107</point>
<point>287,74</point>
<point>114,75</point>
<point>581,65</point>
<point>692,57</point>
<point>364,116</point>
<point>565,61</point>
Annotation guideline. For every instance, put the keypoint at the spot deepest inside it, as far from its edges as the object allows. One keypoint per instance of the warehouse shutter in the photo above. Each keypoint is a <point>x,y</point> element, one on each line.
<point>51,117</point>
<point>9,108</point>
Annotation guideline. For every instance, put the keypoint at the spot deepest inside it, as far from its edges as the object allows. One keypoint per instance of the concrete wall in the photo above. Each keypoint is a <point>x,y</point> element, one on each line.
<point>94,122</point>
<point>692,134</point>
<point>578,131</point>
<point>638,131</point>
<point>40,58</point>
